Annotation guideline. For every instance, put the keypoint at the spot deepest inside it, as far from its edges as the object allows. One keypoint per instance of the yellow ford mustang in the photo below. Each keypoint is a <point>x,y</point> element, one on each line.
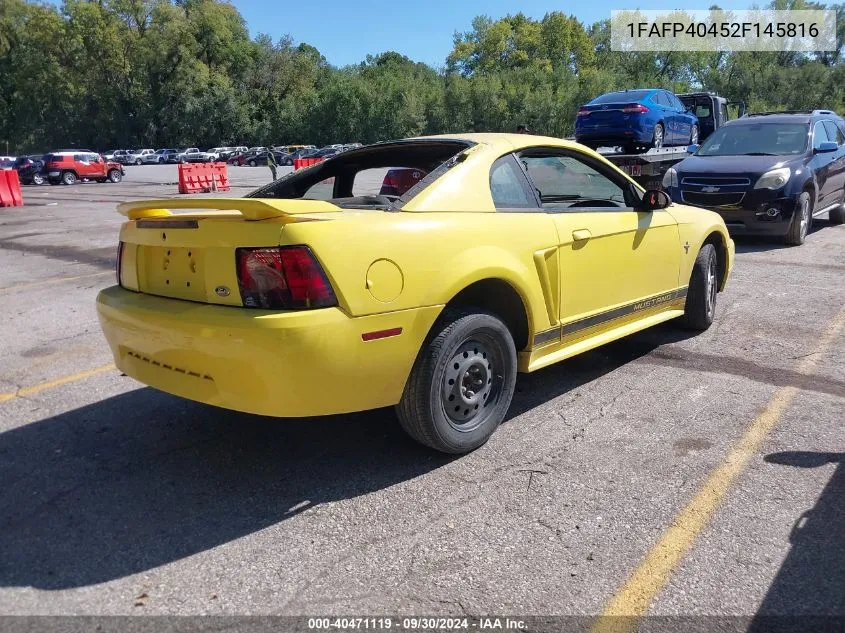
<point>421,273</point>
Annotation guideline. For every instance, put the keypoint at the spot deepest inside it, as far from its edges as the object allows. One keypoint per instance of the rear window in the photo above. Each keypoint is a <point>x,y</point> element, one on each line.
<point>628,96</point>
<point>379,176</point>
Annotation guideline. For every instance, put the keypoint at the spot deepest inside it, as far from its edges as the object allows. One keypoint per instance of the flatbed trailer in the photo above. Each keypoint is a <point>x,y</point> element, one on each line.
<point>646,168</point>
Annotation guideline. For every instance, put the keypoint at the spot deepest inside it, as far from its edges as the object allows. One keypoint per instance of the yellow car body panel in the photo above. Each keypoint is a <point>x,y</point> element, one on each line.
<point>584,278</point>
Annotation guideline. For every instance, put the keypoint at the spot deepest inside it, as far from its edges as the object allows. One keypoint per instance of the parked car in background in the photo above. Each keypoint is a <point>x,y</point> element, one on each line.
<point>113,154</point>
<point>194,155</point>
<point>302,153</point>
<point>398,180</point>
<point>768,174</point>
<point>260,158</point>
<point>350,146</point>
<point>125,157</point>
<point>159,157</point>
<point>137,157</point>
<point>68,167</point>
<point>636,120</point>
<point>290,149</point>
<point>218,153</point>
<point>30,169</point>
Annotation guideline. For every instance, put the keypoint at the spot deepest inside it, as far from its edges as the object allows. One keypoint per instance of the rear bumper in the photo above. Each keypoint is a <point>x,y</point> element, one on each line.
<point>284,364</point>
<point>636,130</point>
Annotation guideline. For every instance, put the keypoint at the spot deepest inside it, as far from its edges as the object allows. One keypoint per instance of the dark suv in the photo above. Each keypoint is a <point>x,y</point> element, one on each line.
<point>768,174</point>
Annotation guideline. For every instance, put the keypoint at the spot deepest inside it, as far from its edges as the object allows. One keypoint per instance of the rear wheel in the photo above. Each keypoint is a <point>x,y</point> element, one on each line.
<point>68,178</point>
<point>658,138</point>
<point>462,383</point>
<point>693,137</point>
<point>115,175</point>
<point>802,217</point>
<point>700,307</point>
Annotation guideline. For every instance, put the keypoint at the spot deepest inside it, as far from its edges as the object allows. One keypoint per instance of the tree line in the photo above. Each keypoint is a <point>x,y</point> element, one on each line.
<point>169,73</point>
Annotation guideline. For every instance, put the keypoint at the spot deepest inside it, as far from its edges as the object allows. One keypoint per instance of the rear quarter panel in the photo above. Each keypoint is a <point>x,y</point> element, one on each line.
<point>438,254</point>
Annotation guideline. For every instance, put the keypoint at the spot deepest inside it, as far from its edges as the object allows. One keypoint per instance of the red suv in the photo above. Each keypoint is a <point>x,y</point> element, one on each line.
<point>68,167</point>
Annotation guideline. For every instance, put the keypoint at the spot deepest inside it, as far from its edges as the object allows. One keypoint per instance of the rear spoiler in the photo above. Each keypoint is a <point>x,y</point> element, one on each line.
<point>250,208</point>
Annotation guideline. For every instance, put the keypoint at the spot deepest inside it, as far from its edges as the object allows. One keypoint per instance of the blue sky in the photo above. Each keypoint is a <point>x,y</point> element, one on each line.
<point>346,31</point>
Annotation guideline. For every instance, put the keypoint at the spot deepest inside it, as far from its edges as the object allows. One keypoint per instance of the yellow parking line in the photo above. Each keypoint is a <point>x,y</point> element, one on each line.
<point>58,382</point>
<point>58,280</point>
<point>636,595</point>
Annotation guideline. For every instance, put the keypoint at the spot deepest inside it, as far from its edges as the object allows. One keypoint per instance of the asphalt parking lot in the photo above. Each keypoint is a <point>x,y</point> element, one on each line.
<point>665,474</point>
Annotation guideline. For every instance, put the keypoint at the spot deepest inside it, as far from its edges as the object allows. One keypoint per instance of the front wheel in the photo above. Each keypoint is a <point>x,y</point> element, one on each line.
<point>462,383</point>
<point>252,163</point>
<point>802,217</point>
<point>115,176</point>
<point>700,306</point>
<point>138,162</point>
<point>38,179</point>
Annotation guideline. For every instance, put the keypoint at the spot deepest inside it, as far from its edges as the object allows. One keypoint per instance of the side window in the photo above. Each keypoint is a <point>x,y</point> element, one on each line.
<point>79,158</point>
<point>565,182</point>
<point>675,103</point>
<point>508,185</point>
<point>819,135</point>
<point>834,132</point>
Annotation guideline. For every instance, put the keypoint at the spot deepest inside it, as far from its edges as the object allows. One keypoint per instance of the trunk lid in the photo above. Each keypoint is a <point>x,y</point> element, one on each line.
<point>191,256</point>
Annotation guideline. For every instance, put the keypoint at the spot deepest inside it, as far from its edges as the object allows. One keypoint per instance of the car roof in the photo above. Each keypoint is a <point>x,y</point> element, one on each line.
<point>783,118</point>
<point>504,141</point>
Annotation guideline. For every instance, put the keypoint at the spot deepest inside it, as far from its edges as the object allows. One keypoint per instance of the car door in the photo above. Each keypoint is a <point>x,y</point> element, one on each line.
<point>836,173</point>
<point>821,165</point>
<point>98,166</point>
<point>684,121</point>
<point>82,165</point>
<point>664,116</point>
<point>615,262</point>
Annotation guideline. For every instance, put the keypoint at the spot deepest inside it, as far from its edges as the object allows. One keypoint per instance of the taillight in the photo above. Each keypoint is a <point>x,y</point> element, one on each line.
<point>119,261</point>
<point>634,107</point>
<point>583,112</point>
<point>282,278</point>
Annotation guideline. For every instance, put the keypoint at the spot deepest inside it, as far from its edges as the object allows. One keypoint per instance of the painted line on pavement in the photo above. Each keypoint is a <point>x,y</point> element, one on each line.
<point>632,600</point>
<point>58,382</point>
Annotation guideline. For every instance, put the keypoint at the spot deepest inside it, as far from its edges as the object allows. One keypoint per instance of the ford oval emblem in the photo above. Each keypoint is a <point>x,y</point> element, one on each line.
<point>221,291</point>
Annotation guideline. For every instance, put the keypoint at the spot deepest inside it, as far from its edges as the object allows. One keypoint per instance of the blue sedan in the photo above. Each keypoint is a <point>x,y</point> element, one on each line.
<point>636,120</point>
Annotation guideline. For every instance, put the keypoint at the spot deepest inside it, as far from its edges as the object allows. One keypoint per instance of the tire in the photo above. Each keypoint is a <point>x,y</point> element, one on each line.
<point>802,219</point>
<point>68,178</point>
<point>115,176</point>
<point>38,179</point>
<point>659,136</point>
<point>837,215</point>
<point>700,308</point>
<point>138,162</point>
<point>693,135</point>
<point>251,163</point>
<point>466,349</point>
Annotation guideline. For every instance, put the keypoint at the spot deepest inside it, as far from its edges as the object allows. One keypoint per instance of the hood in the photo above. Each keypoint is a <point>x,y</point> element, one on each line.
<point>726,165</point>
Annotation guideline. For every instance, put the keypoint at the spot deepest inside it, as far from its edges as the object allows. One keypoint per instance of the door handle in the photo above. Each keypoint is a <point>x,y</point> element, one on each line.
<point>580,235</point>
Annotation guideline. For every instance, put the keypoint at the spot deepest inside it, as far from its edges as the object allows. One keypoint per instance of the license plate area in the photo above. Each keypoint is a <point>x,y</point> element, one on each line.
<point>173,272</point>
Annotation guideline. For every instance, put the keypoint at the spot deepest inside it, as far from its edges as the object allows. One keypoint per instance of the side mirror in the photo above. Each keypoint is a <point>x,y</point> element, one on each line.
<point>823,148</point>
<point>654,199</point>
<point>692,149</point>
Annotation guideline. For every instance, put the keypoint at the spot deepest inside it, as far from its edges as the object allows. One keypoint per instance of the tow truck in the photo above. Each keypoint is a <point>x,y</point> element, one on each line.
<point>648,168</point>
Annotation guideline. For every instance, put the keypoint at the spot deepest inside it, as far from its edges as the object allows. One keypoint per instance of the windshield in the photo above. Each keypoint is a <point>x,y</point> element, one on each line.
<point>376,177</point>
<point>619,97</point>
<point>757,139</point>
